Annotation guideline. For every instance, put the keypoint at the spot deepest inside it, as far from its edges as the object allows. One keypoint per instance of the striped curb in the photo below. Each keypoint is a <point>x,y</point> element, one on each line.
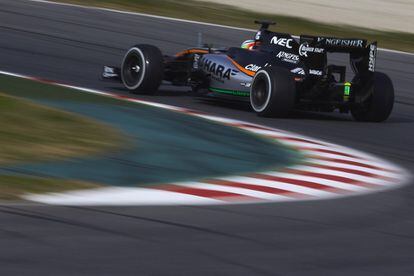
<point>327,171</point>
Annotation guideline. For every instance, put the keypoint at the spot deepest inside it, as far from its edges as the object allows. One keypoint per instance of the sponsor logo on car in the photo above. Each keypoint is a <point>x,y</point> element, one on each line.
<point>315,72</point>
<point>109,72</point>
<point>196,61</point>
<point>258,35</point>
<point>304,49</point>
<point>253,67</point>
<point>284,42</point>
<point>298,71</point>
<point>342,42</point>
<point>288,57</point>
<point>218,71</point>
<point>372,58</point>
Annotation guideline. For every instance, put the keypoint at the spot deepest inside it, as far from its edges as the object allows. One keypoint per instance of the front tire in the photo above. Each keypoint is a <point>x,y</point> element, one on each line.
<point>142,69</point>
<point>378,107</point>
<point>272,93</point>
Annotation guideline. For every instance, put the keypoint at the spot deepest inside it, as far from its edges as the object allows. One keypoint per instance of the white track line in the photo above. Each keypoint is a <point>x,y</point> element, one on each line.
<point>179,20</point>
<point>115,195</point>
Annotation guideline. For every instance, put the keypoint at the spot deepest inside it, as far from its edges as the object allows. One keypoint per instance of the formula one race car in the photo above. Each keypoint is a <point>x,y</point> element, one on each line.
<point>275,72</point>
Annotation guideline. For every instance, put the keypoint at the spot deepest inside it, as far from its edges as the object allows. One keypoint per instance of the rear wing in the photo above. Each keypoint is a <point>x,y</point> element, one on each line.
<point>313,51</point>
<point>332,44</point>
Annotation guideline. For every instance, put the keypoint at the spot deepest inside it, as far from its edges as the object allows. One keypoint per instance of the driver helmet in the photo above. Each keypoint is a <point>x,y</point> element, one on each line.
<point>248,44</point>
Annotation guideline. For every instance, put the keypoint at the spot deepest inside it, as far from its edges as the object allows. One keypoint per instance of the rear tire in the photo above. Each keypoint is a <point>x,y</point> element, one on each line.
<point>378,107</point>
<point>142,69</point>
<point>272,93</point>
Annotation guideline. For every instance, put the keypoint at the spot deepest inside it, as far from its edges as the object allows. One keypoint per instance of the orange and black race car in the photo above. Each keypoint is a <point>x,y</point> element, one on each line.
<point>275,72</point>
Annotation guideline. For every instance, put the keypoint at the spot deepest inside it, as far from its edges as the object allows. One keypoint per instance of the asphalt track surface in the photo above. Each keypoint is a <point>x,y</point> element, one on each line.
<point>365,235</point>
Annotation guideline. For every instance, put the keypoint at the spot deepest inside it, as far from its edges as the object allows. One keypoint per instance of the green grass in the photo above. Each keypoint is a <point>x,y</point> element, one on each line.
<point>31,132</point>
<point>228,15</point>
<point>12,187</point>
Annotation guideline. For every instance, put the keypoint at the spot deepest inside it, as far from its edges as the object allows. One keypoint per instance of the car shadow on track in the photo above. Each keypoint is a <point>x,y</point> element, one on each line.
<point>161,92</point>
<point>296,114</point>
<point>173,92</point>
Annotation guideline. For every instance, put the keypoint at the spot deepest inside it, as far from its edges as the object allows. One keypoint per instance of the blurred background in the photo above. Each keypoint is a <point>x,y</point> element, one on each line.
<point>54,139</point>
<point>390,15</point>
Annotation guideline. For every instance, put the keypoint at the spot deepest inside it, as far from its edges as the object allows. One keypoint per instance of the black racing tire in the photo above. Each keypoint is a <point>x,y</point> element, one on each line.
<point>378,107</point>
<point>272,93</point>
<point>142,69</point>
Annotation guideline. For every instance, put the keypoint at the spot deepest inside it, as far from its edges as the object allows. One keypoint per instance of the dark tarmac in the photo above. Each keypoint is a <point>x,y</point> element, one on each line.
<point>364,235</point>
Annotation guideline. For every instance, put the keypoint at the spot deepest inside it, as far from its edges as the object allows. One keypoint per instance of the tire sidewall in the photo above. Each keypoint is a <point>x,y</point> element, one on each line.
<point>262,74</point>
<point>138,51</point>
<point>281,90</point>
<point>380,103</point>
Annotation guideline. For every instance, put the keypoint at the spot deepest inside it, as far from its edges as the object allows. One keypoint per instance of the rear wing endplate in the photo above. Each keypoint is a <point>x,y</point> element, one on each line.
<point>313,51</point>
